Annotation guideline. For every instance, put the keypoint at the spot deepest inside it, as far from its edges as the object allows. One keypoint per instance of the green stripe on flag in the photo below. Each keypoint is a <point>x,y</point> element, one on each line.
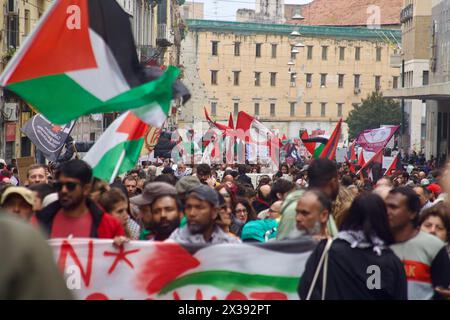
<point>228,280</point>
<point>318,150</point>
<point>105,167</point>
<point>61,99</point>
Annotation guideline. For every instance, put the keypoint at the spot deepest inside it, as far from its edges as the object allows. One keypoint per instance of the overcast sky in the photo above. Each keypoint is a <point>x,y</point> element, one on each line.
<point>226,9</point>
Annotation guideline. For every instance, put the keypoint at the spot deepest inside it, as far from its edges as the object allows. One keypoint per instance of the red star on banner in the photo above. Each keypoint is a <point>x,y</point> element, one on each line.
<point>121,255</point>
<point>56,129</point>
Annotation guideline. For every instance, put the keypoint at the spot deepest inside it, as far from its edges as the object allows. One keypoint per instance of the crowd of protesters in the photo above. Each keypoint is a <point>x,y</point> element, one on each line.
<point>399,223</point>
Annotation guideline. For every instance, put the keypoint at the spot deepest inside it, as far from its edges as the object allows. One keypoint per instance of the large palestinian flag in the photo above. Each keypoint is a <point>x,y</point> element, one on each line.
<point>81,59</point>
<point>170,271</point>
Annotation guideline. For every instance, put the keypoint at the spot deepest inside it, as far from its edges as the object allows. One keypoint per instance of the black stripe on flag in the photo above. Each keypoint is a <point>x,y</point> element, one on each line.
<point>112,24</point>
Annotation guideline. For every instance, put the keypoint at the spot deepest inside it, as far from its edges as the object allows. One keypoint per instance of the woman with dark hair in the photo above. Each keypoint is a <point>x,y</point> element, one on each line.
<point>242,213</point>
<point>358,264</point>
<point>436,221</point>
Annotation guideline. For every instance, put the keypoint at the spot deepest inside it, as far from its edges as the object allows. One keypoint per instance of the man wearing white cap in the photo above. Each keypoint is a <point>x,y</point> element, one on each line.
<point>19,201</point>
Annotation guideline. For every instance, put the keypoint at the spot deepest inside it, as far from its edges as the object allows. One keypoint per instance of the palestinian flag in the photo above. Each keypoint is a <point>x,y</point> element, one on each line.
<point>118,148</point>
<point>329,151</point>
<point>81,59</point>
<point>314,145</point>
<point>373,167</point>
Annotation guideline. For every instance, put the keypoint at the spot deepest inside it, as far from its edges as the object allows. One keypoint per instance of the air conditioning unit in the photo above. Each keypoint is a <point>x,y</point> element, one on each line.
<point>357,91</point>
<point>309,85</point>
<point>12,7</point>
<point>10,111</point>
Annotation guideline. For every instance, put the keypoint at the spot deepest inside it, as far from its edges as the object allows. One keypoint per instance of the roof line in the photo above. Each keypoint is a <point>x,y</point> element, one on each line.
<point>250,27</point>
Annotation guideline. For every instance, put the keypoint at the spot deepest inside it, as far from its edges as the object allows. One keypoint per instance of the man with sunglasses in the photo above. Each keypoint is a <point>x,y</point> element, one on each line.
<point>75,214</point>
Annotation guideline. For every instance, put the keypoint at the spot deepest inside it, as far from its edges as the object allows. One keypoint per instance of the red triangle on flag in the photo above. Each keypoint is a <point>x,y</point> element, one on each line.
<point>133,126</point>
<point>60,45</point>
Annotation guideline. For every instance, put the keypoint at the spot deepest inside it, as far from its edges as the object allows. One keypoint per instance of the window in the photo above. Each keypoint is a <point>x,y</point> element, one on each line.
<point>257,79</point>
<point>377,83</point>
<point>273,79</point>
<point>323,80</point>
<point>324,52</point>
<point>323,107</point>
<point>236,77</point>
<point>293,79</point>
<point>256,109</point>
<point>213,108</point>
<point>92,136</point>
<point>310,52</point>
<point>426,78</point>
<point>258,50</point>
<point>215,48</point>
<point>342,53</point>
<point>395,83</point>
<point>293,54</point>
<point>237,49</point>
<point>339,109</point>
<point>27,22</point>
<point>358,53</point>
<point>274,51</point>
<point>214,77</point>
<point>357,81</point>
<point>379,54</point>
<point>341,81</point>
<point>292,107</point>
<point>308,109</point>
<point>272,109</point>
<point>309,80</point>
<point>235,108</point>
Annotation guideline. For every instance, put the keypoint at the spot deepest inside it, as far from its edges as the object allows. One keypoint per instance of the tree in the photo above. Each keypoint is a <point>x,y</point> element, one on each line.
<point>373,112</point>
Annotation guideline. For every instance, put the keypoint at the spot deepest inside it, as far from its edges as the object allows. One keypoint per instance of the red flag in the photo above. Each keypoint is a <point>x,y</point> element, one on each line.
<point>329,151</point>
<point>395,165</point>
<point>377,158</point>
<point>230,121</point>
<point>361,161</point>
<point>353,156</point>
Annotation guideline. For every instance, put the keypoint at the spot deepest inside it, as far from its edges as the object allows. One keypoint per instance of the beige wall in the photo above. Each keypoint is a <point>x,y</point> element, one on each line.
<point>198,47</point>
<point>192,10</point>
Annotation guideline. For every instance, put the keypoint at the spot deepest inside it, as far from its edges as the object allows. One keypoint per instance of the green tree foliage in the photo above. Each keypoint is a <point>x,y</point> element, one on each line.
<point>373,112</point>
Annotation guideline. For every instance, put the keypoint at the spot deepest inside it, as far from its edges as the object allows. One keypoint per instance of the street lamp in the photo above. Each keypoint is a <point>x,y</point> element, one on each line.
<point>299,45</point>
<point>295,33</point>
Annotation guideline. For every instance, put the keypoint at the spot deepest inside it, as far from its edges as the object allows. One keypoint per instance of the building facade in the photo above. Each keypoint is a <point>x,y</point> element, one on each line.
<point>193,10</point>
<point>431,39</point>
<point>257,68</point>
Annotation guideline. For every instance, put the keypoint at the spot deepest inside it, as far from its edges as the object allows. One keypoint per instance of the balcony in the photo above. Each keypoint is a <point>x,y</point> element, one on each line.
<point>407,13</point>
<point>164,37</point>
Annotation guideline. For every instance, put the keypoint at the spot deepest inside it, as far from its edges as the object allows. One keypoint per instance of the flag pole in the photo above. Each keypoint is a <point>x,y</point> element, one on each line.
<point>116,169</point>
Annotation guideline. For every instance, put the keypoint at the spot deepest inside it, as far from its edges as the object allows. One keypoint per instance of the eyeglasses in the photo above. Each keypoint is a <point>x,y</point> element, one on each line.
<point>71,186</point>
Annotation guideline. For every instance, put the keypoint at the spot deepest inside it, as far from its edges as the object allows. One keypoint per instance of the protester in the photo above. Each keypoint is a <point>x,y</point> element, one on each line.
<point>201,210</point>
<point>416,248</point>
<point>160,211</point>
<point>362,244</point>
<point>313,211</point>
<point>224,219</point>
<point>436,221</point>
<point>28,270</point>
<point>36,174</point>
<point>115,202</point>
<point>280,189</point>
<point>75,214</point>
<point>243,177</point>
<point>130,182</point>
<point>342,205</point>
<point>242,213</point>
<point>19,201</point>
<point>424,197</point>
<point>203,173</point>
<point>40,191</point>
<point>225,191</point>
<point>262,201</point>
<point>259,231</point>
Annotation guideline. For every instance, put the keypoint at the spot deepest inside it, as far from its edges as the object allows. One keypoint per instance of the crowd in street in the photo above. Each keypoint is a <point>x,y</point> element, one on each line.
<point>400,223</point>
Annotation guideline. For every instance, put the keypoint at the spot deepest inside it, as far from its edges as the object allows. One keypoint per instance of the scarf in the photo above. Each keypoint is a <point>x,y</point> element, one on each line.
<point>357,239</point>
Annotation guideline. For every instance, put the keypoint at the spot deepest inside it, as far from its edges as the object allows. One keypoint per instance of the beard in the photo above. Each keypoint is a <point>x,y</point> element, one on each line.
<point>197,228</point>
<point>164,229</point>
<point>314,231</point>
<point>70,203</point>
